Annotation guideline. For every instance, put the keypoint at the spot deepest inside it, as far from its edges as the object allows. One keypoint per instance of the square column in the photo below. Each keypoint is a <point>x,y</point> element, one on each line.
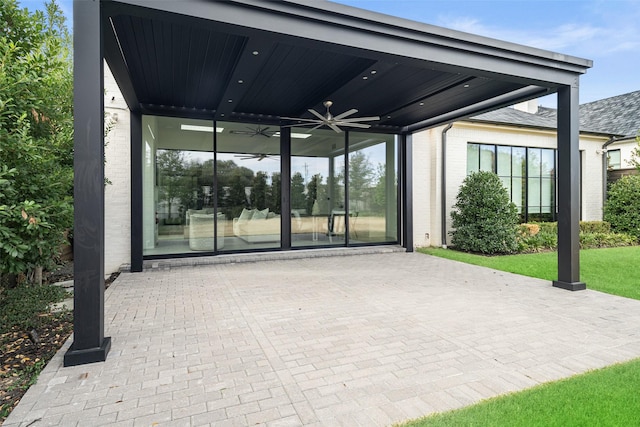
<point>89,344</point>
<point>569,189</point>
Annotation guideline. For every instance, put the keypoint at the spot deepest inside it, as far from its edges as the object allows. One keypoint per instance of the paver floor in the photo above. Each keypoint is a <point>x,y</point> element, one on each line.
<point>365,340</point>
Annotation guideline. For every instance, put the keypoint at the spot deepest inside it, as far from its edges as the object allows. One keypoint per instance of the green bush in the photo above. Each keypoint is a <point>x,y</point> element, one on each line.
<point>483,217</point>
<point>622,209</point>
<point>546,239</point>
<point>602,227</point>
<point>606,240</point>
<point>23,305</point>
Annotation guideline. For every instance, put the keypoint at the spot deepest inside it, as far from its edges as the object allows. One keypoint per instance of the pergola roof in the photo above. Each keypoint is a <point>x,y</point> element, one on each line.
<point>257,61</point>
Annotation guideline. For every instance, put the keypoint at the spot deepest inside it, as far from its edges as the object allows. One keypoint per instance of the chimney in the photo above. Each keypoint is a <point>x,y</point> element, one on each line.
<point>530,106</point>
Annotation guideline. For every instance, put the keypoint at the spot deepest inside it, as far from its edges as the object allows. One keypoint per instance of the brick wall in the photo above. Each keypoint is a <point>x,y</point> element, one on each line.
<point>118,171</point>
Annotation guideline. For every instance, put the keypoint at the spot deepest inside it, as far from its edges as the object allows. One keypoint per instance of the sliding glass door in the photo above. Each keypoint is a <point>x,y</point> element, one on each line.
<point>249,181</point>
<point>218,188</point>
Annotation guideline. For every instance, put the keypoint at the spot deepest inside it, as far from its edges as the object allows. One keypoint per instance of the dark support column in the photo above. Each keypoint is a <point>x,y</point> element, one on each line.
<point>136,191</point>
<point>568,190</point>
<point>89,343</point>
<point>407,191</point>
<point>285,179</point>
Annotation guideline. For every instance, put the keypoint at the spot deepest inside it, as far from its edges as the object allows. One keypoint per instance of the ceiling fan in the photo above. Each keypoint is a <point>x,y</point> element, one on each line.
<point>331,121</point>
<point>251,132</point>
<point>258,156</point>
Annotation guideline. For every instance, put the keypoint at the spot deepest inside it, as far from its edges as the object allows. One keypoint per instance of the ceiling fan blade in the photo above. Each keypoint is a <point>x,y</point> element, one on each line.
<point>318,115</point>
<point>297,125</point>
<point>301,119</point>
<point>356,125</point>
<point>334,127</point>
<point>346,114</point>
<point>316,127</point>
<point>360,119</point>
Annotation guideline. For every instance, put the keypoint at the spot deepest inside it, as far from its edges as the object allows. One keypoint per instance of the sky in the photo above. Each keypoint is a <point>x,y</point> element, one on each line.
<point>605,31</point>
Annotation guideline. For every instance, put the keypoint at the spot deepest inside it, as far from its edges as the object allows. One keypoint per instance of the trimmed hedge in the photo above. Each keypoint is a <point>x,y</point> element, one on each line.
<point>622,209</point>
<point>593,234</point>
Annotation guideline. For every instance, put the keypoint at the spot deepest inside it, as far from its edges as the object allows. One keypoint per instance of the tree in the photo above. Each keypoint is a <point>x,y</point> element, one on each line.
<point>484,218</point>
<point>360,176</point>
<point>297,191</point>
<point>36,136</point>
<point>171,177</point>
<point>260,191</point>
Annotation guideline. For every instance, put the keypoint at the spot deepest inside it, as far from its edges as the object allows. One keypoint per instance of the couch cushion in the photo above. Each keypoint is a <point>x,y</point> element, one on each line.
<point>260,214</point>
<point>246,215</point>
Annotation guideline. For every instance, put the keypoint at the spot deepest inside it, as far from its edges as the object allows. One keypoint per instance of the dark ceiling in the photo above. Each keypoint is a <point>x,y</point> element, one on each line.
<point>169,63</point>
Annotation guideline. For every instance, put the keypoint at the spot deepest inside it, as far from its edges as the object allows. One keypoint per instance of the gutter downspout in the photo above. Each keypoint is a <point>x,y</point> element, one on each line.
<point>443,192</point>
<point>605,168</point>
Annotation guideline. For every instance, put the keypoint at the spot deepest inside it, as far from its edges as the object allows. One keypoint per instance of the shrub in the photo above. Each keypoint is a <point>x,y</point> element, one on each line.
<point>23,305</point>
<point>595,227</point>
<point>545,239</point>
<point>606,240</point>
<point>484,218</point>
<point>622,209</point>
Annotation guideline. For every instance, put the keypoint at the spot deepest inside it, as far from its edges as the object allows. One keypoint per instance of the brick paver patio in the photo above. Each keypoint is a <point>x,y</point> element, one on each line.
<point>365,340</point>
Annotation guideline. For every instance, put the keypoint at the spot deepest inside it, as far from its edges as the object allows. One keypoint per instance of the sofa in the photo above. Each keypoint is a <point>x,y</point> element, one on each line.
<point>257,226</point>
<point>200,229</point>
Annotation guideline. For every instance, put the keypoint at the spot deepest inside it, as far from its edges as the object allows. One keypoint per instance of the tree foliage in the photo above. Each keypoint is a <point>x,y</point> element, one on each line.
<point>484,218</point>
<point>622,208</point>
<point>36,136</point>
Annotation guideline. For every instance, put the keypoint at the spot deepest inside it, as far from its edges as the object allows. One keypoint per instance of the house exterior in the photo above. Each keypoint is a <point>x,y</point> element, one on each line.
<point>261,126</point>
<point>519,144</point>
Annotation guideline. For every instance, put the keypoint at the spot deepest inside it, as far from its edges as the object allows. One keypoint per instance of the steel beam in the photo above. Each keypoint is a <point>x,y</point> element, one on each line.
<point>89,343</point>
<point>406,185</point>
<point>568,189</point>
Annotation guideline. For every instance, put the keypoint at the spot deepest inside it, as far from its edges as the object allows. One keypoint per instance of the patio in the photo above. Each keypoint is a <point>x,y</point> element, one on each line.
<point>366,340</point>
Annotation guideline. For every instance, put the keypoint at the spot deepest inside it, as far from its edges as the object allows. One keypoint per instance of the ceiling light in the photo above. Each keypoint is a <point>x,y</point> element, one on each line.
<point>421,104</point>
<point>373,71</point>
<point>197,128</point>
<point>295,135</point>
<point>230,101</point>
<point>255,53</point>
<point>467,85</point>
<point>240,81</point>
<point>365,78</point>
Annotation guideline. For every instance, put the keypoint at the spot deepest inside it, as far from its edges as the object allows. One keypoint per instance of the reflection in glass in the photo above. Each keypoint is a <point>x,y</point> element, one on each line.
<point>178,202</point>
<point>248,182</point>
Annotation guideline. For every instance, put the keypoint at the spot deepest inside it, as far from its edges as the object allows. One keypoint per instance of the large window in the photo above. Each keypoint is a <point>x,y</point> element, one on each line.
<point>323,179</point>
<point>528,174</point>
<point>218,188</point>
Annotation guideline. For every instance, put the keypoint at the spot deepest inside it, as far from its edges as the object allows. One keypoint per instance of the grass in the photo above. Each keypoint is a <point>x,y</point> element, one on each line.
<point>607,270</point>
<point>606,397</point>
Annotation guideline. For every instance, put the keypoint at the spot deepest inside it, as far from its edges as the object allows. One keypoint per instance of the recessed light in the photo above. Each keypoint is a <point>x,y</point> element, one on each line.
<point>295,135</point>
<point>421,104</point>
<point>466,85</point>
<point>240,81</point>
<point>365,78</point>
<point>230,101</point>
<point>256,53</point>
<point>373,71</point>
<point>197,128</point>
<point>388,117</point>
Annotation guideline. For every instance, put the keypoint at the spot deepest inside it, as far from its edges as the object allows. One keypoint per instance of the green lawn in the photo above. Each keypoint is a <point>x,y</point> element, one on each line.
<point>606,397</point>
<point>611,270</point>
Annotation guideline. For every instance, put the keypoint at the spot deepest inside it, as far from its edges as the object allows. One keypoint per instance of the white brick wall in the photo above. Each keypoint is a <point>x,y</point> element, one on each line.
<point>427,169</point>
<point>118,170</point>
